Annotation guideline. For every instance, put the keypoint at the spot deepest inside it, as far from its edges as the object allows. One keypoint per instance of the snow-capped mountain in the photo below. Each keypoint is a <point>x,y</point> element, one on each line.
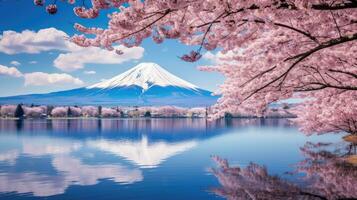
<point>143,85</point>
<point>145,75</point>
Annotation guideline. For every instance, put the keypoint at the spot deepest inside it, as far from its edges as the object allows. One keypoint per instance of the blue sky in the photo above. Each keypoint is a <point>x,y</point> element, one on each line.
<point>29,58</point>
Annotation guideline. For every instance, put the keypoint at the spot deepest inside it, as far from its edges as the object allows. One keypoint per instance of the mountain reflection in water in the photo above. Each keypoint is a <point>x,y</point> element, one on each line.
<point>161,159</point>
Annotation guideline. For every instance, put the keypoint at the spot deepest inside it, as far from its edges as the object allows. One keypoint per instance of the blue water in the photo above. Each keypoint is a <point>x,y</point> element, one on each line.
<point>138,158</point>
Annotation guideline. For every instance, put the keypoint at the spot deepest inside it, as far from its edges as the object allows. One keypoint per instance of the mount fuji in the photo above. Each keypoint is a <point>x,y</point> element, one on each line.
<point>146,84</point>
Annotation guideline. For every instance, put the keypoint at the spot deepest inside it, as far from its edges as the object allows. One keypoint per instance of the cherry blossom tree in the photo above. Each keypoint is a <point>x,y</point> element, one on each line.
<point>59,112</point>
<point>74,111</point>
<point>144,111</point>
<point>7,110</point>
<point>329,113</point>
<point>278,49</point>
<point>109,112</point>
<point>90,111</point>
<point>197,112</point>
<point>35,112</point>
<point>169,111</point>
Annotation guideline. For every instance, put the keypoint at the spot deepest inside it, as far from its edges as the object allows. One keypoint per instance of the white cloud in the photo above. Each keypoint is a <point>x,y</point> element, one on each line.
<point>210,57</point>
<point>69,170</point>
<point>41,78</point>
<point>89,72</point>
<point>15,63</point>
<point>219,57</point>
<point>28,41</point>
<point>9,156</point>
<point>78,57</point>
<point>48,147</point>
<point>83,174</point>
<point>33,62</point>
<point>10,71</point>
<point>73,56</point>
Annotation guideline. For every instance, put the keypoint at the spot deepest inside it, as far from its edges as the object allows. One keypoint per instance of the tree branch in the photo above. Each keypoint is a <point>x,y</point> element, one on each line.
<point>343,72</point>
<point>302,56</point>
<point>325,6</point>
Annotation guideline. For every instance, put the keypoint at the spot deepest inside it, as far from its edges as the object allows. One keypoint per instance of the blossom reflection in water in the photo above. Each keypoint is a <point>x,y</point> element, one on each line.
<point>326,176</point>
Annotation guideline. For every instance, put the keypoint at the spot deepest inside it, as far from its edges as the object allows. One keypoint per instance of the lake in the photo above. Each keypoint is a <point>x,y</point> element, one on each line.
<point>167,159</point>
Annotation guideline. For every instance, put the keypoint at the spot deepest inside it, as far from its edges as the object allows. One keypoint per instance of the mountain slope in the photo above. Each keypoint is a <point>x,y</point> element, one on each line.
<point>145,84</point>
<point>144,75</point>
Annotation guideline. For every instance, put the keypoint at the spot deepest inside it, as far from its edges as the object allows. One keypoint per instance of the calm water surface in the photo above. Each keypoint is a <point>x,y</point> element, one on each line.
<point>146,158</point>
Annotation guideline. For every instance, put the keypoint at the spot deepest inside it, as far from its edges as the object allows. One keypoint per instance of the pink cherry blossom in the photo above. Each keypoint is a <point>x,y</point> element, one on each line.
<point>35,112</point>
<point>39,2</point>
<point>51,9</point>
<point>275,50</point>
<point>168,111</point>
<point>59,112</point>
<point>89,111</point>
<point>7,110</point>
<point>109,112</point>
<point>193,56</point>
<point>74,111</point>
<point>86,13</point>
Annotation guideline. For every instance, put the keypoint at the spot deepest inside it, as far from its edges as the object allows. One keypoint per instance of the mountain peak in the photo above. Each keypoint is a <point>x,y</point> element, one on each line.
<point>146,84</point>
<point>147,65</point>
<point>144,75</point>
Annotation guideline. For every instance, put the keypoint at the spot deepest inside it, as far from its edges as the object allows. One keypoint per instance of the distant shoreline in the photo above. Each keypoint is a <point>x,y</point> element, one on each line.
<point>21,111</point>
<point>55,118</point>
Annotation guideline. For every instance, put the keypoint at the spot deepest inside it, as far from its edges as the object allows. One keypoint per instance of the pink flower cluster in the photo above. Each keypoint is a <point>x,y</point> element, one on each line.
<point>35,112</point>
<point>7,110</point>
<point>59,112</point>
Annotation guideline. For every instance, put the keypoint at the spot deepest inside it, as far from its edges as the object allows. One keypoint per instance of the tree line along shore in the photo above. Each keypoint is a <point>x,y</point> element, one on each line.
<point>21,111</point>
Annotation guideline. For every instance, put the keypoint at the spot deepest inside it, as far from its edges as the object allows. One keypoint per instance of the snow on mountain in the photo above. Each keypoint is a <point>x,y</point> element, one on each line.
<point>146,84</point>
<point>143,153</point>
<point>144,75</point>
